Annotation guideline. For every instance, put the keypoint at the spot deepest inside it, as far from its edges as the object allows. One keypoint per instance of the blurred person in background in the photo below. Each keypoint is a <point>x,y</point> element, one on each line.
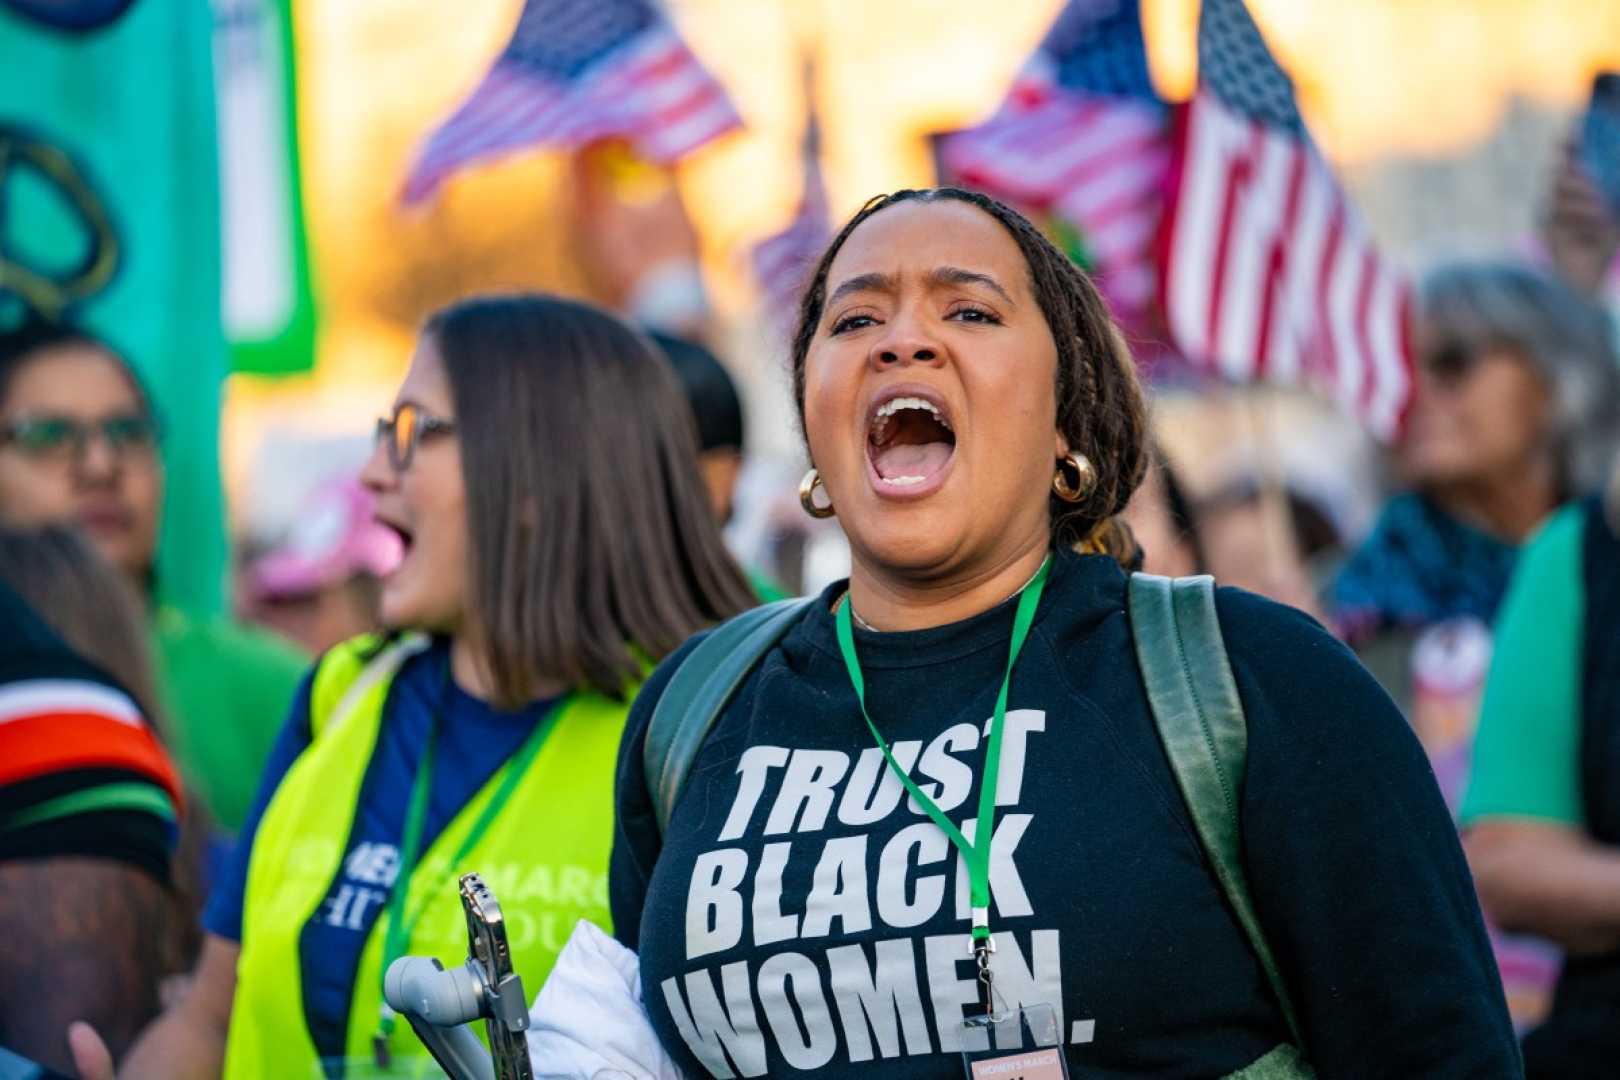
<point>634,241</point>
<point>321,584</point>
<point>1161,520</point>
<point>88,806</point>
<point>539,470</point>
<point>1515,413</point>
<point>85,600</point>
<point>717,409</point>
<point>1542,811</point>
<point>1269,537</point>
<point>79,444</point>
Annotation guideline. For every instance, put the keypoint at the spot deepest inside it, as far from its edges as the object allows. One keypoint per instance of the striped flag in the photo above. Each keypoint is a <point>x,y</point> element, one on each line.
<point>574,72</point>
<point>1082,135</point>
<point>1269,273</point>
<point>783,262</point>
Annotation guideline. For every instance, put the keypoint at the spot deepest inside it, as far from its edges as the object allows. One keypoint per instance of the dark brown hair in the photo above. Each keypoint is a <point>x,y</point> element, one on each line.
<point>22,344</point>
<point>90,605</point>
<point>1100,407</point>
<point>82,597</point>
<point>591,548</point>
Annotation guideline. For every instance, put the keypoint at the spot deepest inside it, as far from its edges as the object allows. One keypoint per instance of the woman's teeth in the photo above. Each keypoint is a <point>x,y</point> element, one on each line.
<point>894,405</point>
<point>883,418</point>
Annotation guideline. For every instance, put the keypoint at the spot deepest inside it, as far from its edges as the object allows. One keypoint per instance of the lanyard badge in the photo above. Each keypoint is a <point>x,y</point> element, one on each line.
<point>976,854</point>
<point>1011,1030</point>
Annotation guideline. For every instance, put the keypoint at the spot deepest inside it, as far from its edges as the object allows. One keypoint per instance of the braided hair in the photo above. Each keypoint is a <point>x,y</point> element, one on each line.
<point>1100,406</point>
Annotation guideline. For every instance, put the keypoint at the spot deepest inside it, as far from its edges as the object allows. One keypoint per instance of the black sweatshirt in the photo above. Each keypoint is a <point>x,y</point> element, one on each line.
<point>801,918</point>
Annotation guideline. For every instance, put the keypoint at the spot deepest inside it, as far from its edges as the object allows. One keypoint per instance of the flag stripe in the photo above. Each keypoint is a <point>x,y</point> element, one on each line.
<point>637,80</point>
<point>1081,134</point>
<point>1268,274</point>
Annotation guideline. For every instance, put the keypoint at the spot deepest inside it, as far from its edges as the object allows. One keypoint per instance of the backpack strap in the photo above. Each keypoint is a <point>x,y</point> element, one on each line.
<point>1200,720</point>
<point>700,689</point>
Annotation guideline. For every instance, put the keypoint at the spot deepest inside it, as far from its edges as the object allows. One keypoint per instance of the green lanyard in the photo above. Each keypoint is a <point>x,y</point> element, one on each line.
<point>977,854</point>
<point>399,927</point>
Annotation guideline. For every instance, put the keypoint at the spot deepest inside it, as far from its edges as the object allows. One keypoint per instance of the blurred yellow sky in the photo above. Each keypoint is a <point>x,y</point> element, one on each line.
<point>1375,78</point>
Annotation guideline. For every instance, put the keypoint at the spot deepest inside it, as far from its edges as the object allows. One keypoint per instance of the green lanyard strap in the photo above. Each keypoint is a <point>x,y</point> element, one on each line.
<point>399,926</point>
<point>977,853</point>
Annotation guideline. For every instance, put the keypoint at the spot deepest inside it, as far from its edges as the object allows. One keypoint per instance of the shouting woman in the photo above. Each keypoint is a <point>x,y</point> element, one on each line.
<point>975,423</point>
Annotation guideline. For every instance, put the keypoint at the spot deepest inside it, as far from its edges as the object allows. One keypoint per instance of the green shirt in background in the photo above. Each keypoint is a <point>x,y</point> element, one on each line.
<point>226,690</point>
<point>764,588</point>
<point>1527,753</point>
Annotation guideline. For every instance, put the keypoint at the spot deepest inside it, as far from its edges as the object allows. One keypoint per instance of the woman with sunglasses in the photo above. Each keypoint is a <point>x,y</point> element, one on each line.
<point>1516,411</point>
<point>1518,396</point>
<point>943,790</point>
<point>539,467</point>
<point>79,445</point>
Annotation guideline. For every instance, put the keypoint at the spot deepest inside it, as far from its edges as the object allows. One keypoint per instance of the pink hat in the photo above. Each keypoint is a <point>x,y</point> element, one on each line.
<point>334,538</point>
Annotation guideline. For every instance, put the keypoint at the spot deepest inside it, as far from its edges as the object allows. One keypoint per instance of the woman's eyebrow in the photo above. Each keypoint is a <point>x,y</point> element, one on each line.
<point>873,282</point>
<point>945,276</point>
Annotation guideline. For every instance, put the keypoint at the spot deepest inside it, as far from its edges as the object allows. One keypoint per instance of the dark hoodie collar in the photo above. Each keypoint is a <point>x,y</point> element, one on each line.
<point>1083,588</point>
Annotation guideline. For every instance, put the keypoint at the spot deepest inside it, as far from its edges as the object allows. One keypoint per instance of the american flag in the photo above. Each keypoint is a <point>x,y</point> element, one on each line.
<point>1269,272</point>
<point>1083,135</point>
<point>576,71</point>
<point>782,262</point>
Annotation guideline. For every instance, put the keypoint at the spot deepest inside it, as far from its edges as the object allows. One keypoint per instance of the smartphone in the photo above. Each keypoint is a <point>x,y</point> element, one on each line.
<point>1600,137</point>
<point>507,1014</point>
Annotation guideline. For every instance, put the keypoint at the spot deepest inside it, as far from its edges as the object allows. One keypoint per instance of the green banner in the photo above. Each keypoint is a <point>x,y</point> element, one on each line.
<point>269,305</point>
<point>109,210</point>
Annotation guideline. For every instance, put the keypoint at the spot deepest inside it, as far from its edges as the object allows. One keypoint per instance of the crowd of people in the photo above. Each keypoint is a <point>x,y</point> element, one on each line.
<point>1359,818</point>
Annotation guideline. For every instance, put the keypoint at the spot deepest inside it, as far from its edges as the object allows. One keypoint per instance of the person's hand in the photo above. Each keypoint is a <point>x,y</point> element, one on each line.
<point>629,224</point>
<point>91,1058</point>
<point>1580,229</point>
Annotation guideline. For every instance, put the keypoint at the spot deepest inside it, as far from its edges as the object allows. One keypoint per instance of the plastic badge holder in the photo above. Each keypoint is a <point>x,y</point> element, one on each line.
<point>1023,1044</point>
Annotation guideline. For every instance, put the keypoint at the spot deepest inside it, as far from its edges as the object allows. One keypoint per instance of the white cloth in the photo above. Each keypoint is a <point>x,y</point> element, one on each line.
<point>587,1022</point>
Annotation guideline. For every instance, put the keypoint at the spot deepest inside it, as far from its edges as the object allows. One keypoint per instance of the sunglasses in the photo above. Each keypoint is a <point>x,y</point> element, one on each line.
<point>1451,361</point>
<point>63,437</point>
<point>408,426</point>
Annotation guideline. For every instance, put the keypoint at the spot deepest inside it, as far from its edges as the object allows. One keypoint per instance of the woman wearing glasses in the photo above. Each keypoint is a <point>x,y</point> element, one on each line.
<point>79,445</point>
<point>539,467</point>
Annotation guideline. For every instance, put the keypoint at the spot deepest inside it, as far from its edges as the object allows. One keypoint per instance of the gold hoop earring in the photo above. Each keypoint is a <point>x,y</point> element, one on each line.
<point>807,496</point>
<point>1085,478</point>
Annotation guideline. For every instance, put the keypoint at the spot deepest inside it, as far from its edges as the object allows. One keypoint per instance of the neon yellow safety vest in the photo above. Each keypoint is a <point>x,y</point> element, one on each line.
<point>545,856</point>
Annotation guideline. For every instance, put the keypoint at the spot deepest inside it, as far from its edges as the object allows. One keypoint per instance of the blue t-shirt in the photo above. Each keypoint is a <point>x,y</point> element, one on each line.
<point>475,740</point>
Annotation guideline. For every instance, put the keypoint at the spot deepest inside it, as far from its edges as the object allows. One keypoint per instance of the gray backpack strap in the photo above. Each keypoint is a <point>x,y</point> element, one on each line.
<point>698,691</point>
<point>1200,718</point>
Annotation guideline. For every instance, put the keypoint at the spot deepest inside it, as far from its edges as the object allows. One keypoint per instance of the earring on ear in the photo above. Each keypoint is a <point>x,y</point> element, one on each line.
<point>807,496</point>
<point>1085,478</point>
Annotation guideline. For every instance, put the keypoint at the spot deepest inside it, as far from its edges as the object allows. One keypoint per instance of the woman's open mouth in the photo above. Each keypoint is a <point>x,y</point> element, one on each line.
<point>910,443</point>
<point>405,539</point>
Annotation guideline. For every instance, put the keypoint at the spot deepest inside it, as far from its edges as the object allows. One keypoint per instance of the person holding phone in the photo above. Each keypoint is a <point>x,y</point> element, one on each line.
<point>1580,225</point>
<point>539,469</point>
